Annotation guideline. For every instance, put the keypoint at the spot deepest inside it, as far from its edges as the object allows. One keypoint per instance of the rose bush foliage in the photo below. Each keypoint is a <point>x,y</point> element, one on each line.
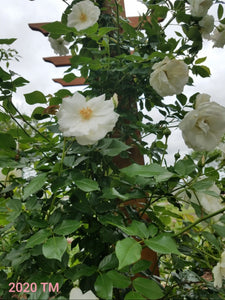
<point>73,217</point>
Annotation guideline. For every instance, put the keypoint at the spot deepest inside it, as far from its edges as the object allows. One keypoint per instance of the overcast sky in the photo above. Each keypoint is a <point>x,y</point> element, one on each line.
<point>15,15</point>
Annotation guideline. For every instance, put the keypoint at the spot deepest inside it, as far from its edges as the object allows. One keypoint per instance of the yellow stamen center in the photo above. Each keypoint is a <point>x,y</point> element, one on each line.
<point>83,17</point>
<point>86,113</point>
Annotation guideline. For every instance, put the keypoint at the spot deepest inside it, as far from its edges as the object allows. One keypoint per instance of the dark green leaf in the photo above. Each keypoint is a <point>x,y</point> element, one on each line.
<point>7,141</point>
<point>104,287</point>
<point>108,262</point>
<point>38,113</point>
<point>69,77</point>
<point>87,185</point>
<point>67,227</point>
<point>34,185</point>
<point>79,271</point>
<point>152,170</point>
<point>55,248</point>
<point>4,75</point>
<point>184,167</point>
<point>134,296</point>
<point>57,27</point>
<point>162,243</point>
<point>38,238</point>
<point>148,288</point>
<point>128,251</point>
<point>203,71</point>
<point>119,280</point>
<point>114,148</point>
<point>211,239</point>
<point>137,229</point>
<point>140,266</point>
<point>35,97</point>
<point>7,41</point>
<point>220,229</point>
<point>220,11</point>
<point>202,185</point>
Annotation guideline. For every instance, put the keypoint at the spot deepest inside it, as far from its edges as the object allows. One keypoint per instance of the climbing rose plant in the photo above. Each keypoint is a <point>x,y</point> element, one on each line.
<point>81,215</point>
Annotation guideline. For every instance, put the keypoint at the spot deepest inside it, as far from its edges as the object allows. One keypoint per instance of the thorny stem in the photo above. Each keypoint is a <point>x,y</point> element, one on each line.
<point>59,172</point>
<point>65,2</point>
<point>28,122</point>
<point>199,221</point>
<point>118,26</point>
<point>164,152</point>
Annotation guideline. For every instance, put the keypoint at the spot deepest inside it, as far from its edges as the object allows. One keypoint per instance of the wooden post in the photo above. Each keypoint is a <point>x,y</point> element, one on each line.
<point>135,156</point>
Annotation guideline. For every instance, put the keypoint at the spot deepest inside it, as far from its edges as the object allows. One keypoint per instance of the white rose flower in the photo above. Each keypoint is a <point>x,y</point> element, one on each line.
<point>203,127</point>
<point>199,8</point>
<point>169,77</point>
<point>59,46</point>
<point>76,294</point>
<point>209,203</point>
<point>218,36</point>
<point>84,14</point>
<point>207,26</point>
<point>219,272</point>
<point>88,121</point>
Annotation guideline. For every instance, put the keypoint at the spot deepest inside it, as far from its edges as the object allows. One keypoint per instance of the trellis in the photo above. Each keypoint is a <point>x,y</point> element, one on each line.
<point>135,155</point>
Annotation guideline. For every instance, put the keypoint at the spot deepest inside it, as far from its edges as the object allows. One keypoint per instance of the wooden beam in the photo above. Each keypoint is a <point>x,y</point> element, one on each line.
<point>38,27</point>
<point>75,82</point>
<point>59,61</point>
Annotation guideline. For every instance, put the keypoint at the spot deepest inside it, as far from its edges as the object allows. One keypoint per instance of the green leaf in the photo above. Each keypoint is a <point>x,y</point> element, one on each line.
<point>152,229</point>
<point>134,296</point>
<point>4,117</point>
<point>54,248</point>
<point>7,41</point>
<point>152,170</point>
<point>79,271</point>
<point>148,288</point>
<point>162,243</point>
<point>202,185</point>
<point>34,185</point>
<point>57,27</point>
<point>87,185</point>
<point>67,227</point>
<point>184,167</point>
<point>200,60</point>
<point>4,75</point>
<point>103,286</point>
<point>38,238</point>
<point>69,77</point>
<point>141,265</point>
<point>108,262</point>
<point>128,251</point>
<point>7,141</point>
<point>114,148</point>
<point>220,229</point>
<point>63,93</point>
<point>38,113</point>
<point>137,229</point>
<point>103,30</point>
<point>35,97</point>
<point>211,239</point>
<point>119,281</point>
<point>203,71</point>
<point>112,193</point>
<point>15,207</point>
<point>220,11</point>
<point>20,81</point>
